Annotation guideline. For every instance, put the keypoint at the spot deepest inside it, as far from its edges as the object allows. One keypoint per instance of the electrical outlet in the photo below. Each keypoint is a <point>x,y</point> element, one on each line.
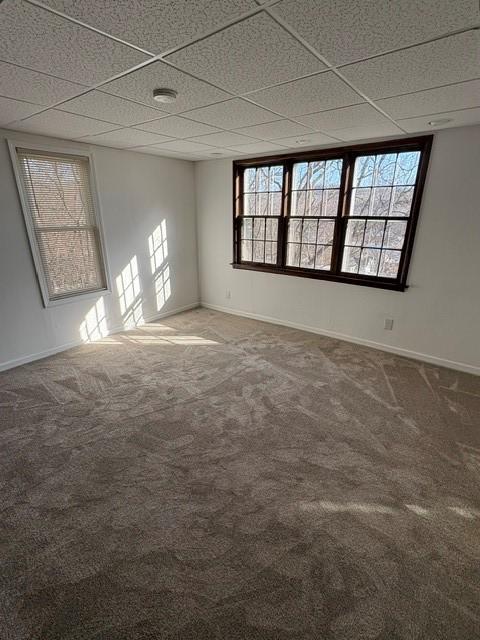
<point>228,294</point>
<point>388,324</point>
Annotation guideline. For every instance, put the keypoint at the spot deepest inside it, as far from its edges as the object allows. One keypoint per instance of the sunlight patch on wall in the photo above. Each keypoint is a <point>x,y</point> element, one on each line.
<point>162,286</point>
<point>129,295</point>
<point>157,246</point>
<point>94,327</point>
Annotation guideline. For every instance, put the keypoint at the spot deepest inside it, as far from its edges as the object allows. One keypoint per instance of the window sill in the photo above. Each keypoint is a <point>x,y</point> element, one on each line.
<point>332,277</point>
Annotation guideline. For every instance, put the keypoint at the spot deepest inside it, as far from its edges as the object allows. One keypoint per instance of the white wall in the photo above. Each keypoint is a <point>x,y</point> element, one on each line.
<point>136,193</point>
<point>436,319</point>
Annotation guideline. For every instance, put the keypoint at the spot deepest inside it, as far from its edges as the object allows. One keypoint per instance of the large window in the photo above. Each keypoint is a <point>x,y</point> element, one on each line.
<point>60,216</point>
<point>345,214</point>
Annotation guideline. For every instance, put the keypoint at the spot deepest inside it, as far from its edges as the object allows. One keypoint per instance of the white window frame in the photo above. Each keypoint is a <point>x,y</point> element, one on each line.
<point>13,145</point>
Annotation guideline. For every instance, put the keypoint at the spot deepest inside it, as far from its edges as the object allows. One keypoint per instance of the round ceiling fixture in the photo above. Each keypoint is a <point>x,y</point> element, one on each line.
<point>216,153</point>
<point>165,96</point>
<point>439,122</point>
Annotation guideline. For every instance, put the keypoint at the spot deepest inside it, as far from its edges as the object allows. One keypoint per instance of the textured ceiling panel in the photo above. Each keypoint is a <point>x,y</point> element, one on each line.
<point>62,125</point>
<point>259,147</point>
<point>224,139</point>
<point>458,119</point>
<point>140,84</point>
<point>355,29</point>
<point>154,25</point>
<point>316,93</point>
<point>358,115</point>
<point>11,110</point>
<point>306,140</point>
<point>185,146</point>
<point>40,40</point>
<point>177,127</point>
<point>23,84</point>
<point>232,114</point>
<point>445,61</point>
<point>252,54</point>
<point>272,130</point>
<point>450,98</point>
<point>124,138</point>
<point>360,132</point>
<point>110,108</point>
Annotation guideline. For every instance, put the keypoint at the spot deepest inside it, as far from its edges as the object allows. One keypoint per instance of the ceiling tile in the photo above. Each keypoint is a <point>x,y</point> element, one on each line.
<point>449,98</point>
<point>154,25</point>
<point>452,59</point>
<point>140,84</point>
<point>258,147</point>
<point>278,129</point>
<point>185,146</point>
<point>231,114</point>
<point>249,55</point>
<point>177,127</point>
<point>11,110</point>
<point>24,84</point>
<point>38,39</point>
<point>62,125</point>
<point>124,138</point>
<point>458,119</point>
<point>224,139</point>
<point>306,140</point>
<point>104,106</point>
<point>351,30</point>
<point>357,115</point>
<point>316,93</point>
<point>368,131</point>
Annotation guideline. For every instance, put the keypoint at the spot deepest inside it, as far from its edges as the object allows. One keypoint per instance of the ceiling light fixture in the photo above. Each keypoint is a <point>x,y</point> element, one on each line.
<point>440,121</point>
<point>164,95</point>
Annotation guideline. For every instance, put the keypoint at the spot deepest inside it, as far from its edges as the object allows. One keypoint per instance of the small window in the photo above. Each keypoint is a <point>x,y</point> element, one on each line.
<point>60,216</point>
<point>347,214</point>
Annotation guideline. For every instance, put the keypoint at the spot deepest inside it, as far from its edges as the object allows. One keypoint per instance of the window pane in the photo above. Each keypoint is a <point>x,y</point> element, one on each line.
<point>385,169</point>
<point>276,178</point>
<point>271,229</point>
<point>71,261</point>
<point>374,233</point>
<point>351,259</point>
<point>314,206</point>
<point>369,262</point>
<point>249,204</point>
<point>259,229</point>
<point>323,258</point>
<point>389,263</point>
<point>262,179</point>
<point>307,256</point>
<point>246,250</point>
<point>249,180</point>
<point>275,204</point>
<point>395,234</point>
<point>330,202</point>
<point>247,228</point>
<point>299,199</point>
<point>270,252</point>
<point>293,254</point>
<point>258,250</point>
<point>407,167</point>
<point>300,175</point>
<point>309,234</point>
<point>381,201</point>
<point>295,230</point>
<point>262,204</point>
<point>401,201</point>
<point>355,230</point>
<point>325,232</point>
<point>316,175</point>
<point>364,171</point>
<point>333,174</point>
<point>360,204</point>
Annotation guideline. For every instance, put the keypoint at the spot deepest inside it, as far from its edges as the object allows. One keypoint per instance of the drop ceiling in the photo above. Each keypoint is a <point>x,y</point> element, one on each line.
<point>252,76</point>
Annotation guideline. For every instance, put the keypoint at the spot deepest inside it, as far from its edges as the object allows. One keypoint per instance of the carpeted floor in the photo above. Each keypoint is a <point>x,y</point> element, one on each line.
<point>213,477</point>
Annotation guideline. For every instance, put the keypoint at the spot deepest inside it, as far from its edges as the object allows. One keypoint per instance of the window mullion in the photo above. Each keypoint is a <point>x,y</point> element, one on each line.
<point>285,213</point>
<point>342,212</point>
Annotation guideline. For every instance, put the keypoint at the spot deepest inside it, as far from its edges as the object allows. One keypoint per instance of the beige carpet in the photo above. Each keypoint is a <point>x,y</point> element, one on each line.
<point>216,477</point>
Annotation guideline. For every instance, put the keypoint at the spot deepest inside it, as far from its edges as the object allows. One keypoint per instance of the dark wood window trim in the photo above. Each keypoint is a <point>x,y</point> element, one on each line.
<point>348,155</point>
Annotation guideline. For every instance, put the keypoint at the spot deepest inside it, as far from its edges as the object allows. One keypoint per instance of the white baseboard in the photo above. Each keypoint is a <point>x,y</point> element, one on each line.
<point>407,353</point>
<point>10,364</point>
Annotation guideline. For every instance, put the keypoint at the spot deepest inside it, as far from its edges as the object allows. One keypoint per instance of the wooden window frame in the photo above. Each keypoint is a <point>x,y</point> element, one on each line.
<point>348,155</point>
